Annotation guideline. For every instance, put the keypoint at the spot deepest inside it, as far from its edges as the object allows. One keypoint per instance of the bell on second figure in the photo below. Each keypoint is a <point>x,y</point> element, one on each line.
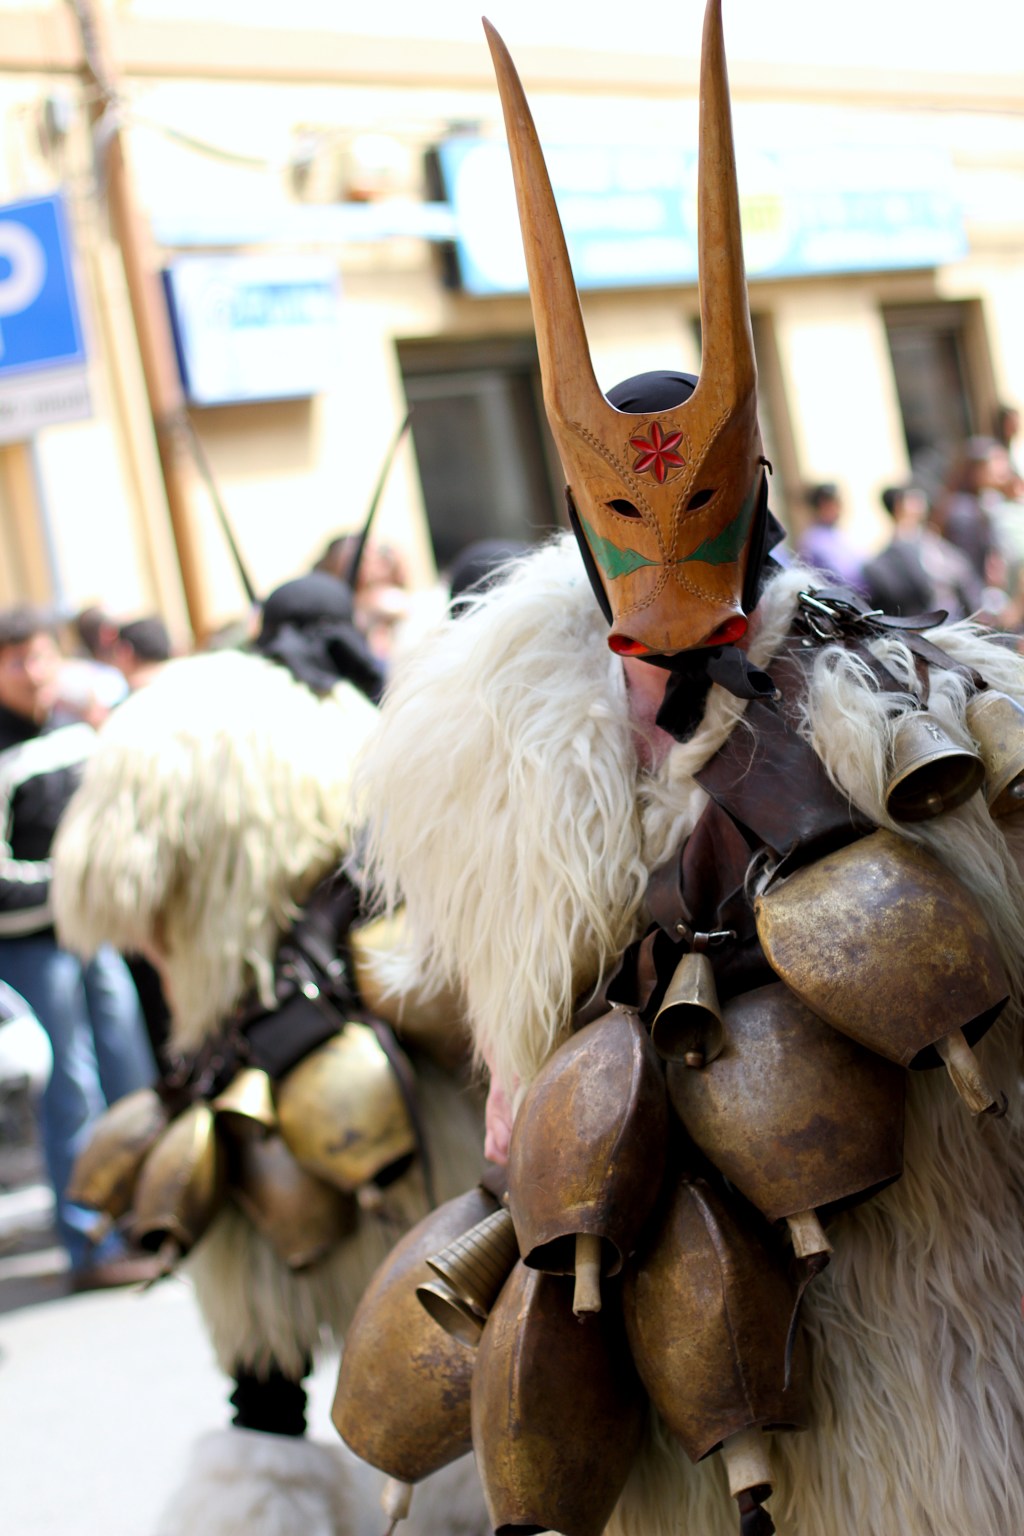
<point>180,1187</point>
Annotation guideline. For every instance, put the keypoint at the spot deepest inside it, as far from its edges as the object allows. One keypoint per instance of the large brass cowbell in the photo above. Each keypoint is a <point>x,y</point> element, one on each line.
<point>929,772</point>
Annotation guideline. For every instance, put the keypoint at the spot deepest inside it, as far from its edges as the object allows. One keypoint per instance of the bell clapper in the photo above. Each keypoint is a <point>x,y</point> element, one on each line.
<point>395,1502</point>
<point>587,1295</point>
<point>750,1479</point>
<point>962,1066</point>
<point>808,1237</point>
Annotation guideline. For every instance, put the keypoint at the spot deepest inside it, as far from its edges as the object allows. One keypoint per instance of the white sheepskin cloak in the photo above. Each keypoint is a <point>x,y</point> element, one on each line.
<point>214,801</point>
<point>509,809</point>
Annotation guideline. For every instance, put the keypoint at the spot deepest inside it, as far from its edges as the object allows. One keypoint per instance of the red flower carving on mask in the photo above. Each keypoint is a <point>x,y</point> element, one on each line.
<point>657,453</point>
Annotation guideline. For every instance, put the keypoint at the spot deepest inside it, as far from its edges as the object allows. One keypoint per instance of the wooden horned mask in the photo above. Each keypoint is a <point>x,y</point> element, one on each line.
<point>665,502</point>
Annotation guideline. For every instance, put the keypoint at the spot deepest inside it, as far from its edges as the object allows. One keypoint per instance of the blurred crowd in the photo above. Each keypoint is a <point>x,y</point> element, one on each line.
<point>959,548</point>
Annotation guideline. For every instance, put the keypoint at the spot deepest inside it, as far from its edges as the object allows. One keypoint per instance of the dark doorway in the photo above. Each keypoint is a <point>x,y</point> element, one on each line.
<point>934,350</point>
<point>487,463</point>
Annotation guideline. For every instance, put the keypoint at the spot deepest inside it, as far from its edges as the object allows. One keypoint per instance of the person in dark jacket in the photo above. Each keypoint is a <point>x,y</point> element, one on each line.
<point>90,1011</point>
<point>919,570</point>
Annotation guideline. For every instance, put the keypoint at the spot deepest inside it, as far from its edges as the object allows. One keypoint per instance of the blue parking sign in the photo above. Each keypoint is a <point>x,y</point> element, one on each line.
<point>40,326</point>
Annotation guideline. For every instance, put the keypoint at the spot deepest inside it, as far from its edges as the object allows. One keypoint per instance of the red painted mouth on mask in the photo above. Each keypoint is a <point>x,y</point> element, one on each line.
<point>728,633</point>
<point>622,645</point>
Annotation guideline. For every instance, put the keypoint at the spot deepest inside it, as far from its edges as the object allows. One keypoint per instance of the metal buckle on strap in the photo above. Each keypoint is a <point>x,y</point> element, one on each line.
<point>834,617</point>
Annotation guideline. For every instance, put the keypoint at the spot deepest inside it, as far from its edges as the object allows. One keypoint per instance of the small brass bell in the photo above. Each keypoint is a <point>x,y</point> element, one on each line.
<point>929,773</point>
<point>246,1107</point>
<point>688,1025</point>
<point>997,724</point>
<point>471,1271</point>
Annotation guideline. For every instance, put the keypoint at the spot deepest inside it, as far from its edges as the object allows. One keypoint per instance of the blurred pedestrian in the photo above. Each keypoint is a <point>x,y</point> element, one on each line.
<point>142,647</point>
<point>380,590</point>
<point>89,685</point>
<point>825,544</point>
<point>966,514</point>
<point>89,1011</point>
<point>919,570</point>
<point>1007,433</point>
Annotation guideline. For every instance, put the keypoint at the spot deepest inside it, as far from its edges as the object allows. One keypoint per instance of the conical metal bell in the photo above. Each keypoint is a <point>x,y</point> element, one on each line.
<point>402,1401</point>
<point>997,724</point>
<point>106,1170</point>
<point>181,1184</point>
<point>471,1271</point>
<point>247,1104</point>
<point>929,772</point>
<point>688,1025</point>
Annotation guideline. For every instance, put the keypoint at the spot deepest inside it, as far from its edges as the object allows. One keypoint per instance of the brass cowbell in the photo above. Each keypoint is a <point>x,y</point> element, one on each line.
<point>247,1104</point>
<point>688,1025</point>
<point>929,773</point>
<point>471,1271</point>
<point>997,724</point>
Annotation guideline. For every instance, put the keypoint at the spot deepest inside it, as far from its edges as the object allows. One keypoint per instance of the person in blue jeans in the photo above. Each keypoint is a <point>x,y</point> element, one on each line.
<point>89,1009</point>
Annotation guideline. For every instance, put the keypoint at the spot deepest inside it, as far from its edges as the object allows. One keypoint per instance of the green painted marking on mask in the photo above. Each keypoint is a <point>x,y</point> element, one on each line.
<point>726,547</point>
<point>613,560</point>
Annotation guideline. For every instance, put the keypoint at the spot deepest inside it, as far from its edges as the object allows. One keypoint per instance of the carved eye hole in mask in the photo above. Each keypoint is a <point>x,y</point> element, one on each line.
<point>623,508</point>
<point>699,499</point>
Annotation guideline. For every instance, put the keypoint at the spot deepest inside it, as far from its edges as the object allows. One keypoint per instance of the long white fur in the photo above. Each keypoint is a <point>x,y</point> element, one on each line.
<point>214,801</point>
<point>216,797</point>
<point>242,1483</point>
<point>523,791</point>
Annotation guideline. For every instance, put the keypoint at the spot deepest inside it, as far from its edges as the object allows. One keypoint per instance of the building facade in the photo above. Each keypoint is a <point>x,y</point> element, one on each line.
<point>331,216</point>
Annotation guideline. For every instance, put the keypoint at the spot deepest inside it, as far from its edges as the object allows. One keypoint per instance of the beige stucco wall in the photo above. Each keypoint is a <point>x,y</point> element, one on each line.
<point>293,474</point>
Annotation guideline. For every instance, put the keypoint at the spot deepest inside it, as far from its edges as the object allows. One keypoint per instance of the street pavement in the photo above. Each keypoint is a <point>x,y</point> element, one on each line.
<point>102,1394</point>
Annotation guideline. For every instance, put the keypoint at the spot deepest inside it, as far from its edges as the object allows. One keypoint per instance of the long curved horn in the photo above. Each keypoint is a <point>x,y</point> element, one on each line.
<point>570,387</point>
<point>727,366</point>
